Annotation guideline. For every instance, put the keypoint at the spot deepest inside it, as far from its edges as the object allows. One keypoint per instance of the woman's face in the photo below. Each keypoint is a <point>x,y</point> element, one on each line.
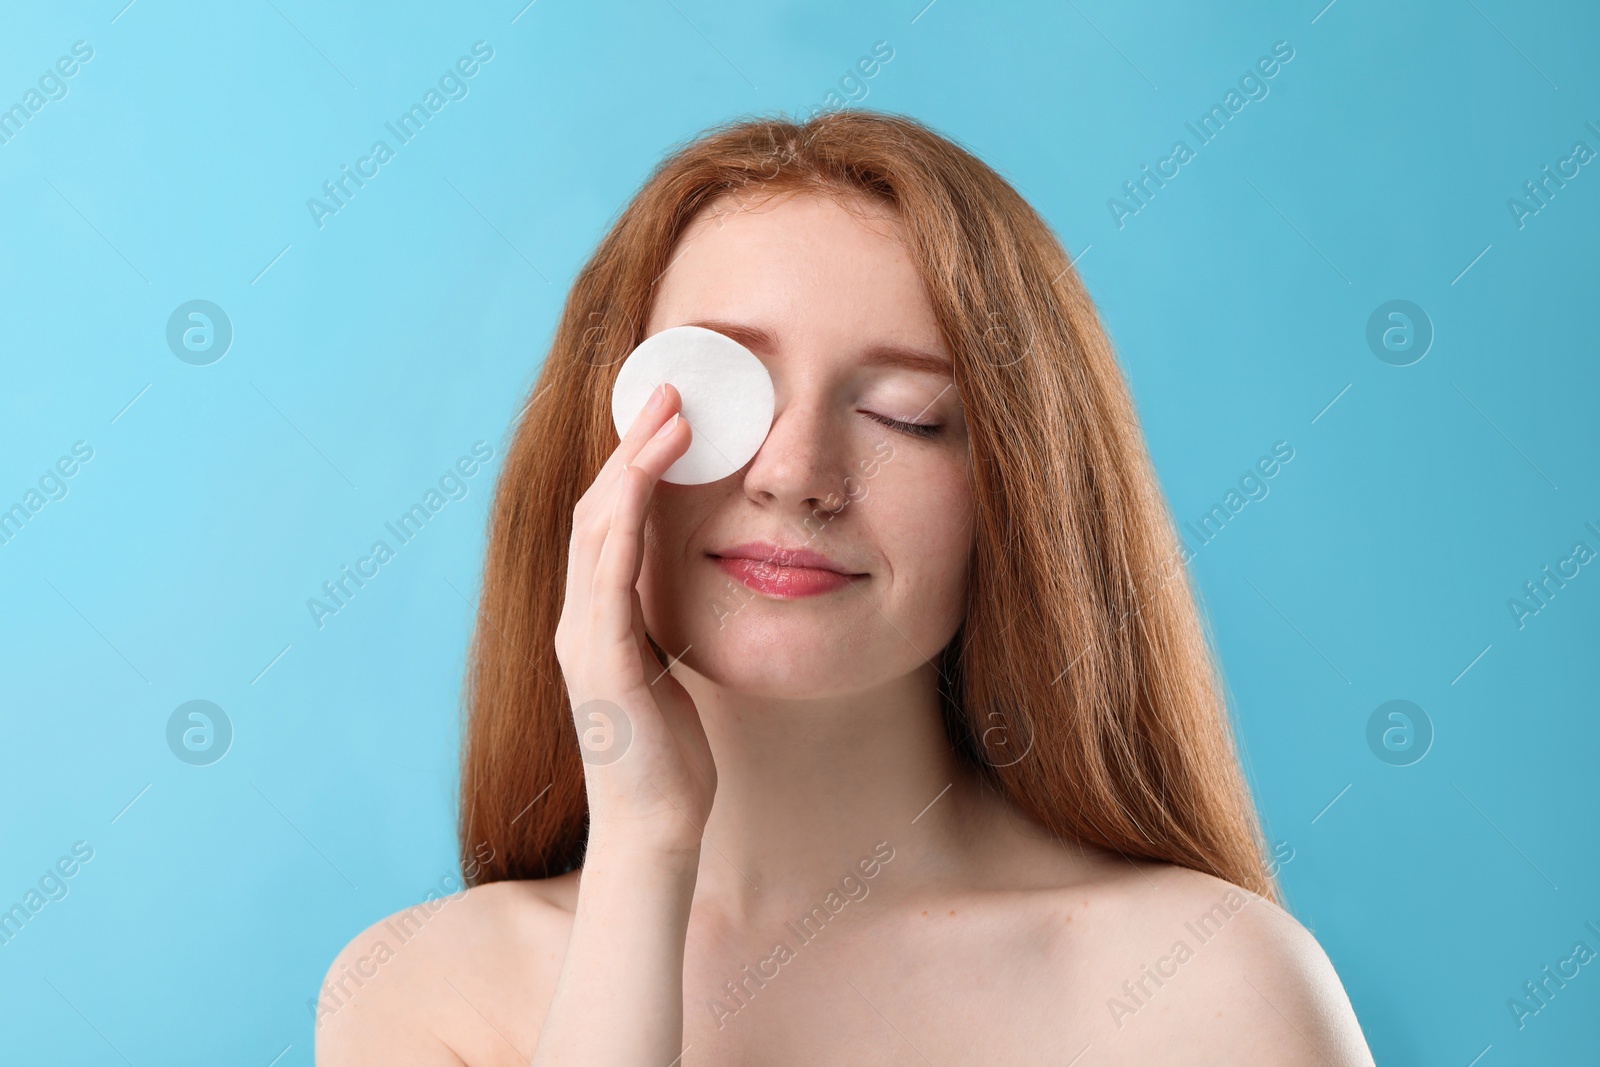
<point>832,305</point>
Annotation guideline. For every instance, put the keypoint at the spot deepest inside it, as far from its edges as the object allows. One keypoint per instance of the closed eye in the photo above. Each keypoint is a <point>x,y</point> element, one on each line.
<point>911,429</point>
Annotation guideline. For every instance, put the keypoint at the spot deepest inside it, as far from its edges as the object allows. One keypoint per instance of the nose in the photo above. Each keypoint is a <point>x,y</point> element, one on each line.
<point>798,468</point>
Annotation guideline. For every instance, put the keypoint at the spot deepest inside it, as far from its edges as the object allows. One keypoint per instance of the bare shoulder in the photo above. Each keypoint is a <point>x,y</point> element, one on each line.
<point>451,980</point>
<point>1184,960</point>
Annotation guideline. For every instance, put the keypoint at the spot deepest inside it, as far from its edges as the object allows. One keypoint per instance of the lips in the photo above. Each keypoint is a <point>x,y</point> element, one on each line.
<point>783,572</point>
<point>766,552</point>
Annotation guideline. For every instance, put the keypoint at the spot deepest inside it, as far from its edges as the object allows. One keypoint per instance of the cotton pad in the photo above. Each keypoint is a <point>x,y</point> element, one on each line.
<point>727,397</point>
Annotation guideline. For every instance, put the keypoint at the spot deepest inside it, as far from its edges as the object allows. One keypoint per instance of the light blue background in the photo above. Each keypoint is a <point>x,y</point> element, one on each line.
<point>378,349</point>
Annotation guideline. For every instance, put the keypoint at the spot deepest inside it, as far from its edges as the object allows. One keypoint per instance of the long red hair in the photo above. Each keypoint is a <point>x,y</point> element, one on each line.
<point>1080,683</point>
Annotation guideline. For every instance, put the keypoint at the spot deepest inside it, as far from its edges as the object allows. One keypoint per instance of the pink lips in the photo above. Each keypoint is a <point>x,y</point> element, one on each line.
<point>783,572</point>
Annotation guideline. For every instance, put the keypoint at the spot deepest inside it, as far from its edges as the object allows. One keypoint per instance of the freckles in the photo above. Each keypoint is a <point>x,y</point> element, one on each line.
<point>923,516</point>
<point>947,515</point>
<point>931,501</point>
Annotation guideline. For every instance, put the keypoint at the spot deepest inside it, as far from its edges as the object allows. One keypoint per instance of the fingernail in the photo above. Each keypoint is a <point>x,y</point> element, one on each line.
<point>657,398</point>
<point>668,426</point>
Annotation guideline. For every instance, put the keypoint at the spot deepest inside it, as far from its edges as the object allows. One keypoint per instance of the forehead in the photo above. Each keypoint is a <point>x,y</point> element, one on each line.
<point>798,264</point>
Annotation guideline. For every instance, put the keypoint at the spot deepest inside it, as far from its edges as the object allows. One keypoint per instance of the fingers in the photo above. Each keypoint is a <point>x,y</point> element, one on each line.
<point>651,459</point>
<point>664,402</point>
<point>617,567</point>
<point>611,607</point>
<point>662,449</point>
<point>591,516</point>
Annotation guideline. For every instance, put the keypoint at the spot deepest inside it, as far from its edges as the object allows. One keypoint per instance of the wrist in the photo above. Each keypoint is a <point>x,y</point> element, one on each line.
<point>636,851</point>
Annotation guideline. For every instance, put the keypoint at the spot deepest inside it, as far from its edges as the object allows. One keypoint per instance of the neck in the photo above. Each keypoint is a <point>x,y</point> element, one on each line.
<point>807,788</point>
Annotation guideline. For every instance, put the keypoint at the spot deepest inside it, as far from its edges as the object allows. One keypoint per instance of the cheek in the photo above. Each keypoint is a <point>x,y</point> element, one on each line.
<point>923,523</point>
<point>664,572</point>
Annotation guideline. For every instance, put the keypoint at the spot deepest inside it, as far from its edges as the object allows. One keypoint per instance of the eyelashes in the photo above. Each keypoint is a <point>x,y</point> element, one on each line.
<point>910,429</point>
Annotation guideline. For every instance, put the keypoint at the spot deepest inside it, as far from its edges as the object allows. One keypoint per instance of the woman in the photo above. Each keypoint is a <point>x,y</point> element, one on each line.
<point>900,745</point>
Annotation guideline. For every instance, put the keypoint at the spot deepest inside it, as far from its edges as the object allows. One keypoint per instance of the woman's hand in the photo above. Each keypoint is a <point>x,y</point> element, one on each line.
<point>648,770</point>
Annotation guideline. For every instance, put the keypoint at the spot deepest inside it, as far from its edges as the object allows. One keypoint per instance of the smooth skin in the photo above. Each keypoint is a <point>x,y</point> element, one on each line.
<point>795,741</point>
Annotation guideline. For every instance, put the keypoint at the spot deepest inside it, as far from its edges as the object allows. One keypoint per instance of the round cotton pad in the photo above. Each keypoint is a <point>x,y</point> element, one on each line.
<point>727,398</point>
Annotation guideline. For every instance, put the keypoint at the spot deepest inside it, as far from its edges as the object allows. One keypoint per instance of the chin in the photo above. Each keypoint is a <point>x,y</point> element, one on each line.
<point>780,656</point>
<point>796,678</point>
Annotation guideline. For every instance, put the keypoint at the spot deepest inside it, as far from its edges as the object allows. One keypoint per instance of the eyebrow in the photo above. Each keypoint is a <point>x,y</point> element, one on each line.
<point>878,355</point>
